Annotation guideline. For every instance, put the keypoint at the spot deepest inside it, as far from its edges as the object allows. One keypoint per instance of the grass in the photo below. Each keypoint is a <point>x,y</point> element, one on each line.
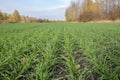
<point>60,51</point>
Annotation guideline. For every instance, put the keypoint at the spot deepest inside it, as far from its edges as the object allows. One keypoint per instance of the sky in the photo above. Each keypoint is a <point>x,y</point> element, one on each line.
<point>44,9</point>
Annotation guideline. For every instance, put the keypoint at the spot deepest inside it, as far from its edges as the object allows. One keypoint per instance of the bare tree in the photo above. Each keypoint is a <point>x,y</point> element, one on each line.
<point>87,10</point>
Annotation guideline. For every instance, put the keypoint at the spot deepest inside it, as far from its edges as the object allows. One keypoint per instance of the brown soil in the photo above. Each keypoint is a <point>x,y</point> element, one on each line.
<point>60,71</point>
<point>93,76</point>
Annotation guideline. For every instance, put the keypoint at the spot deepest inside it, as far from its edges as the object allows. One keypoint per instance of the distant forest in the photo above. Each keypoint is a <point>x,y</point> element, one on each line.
<point>15,17</point>
<point>79,10</point>
<point>92,10</point>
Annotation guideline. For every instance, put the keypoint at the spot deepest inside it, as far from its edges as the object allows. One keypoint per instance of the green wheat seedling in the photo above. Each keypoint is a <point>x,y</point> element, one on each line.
<point>60,51</point>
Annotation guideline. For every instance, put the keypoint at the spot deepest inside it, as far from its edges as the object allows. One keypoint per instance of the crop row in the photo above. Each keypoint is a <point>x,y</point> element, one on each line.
<point>59,51</point>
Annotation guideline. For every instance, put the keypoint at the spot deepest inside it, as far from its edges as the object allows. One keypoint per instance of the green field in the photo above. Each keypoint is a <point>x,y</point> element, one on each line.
<point>60,51</point>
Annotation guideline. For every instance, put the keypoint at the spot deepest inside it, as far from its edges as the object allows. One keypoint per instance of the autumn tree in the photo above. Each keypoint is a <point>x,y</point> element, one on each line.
<point>16,16</point>
<point>1,16</point>
<point>72,12</point>
<point>88,10</point>
<point>23,19</point>
<point>10,18</point>
<point>5,16</point>
<point>68,14</point>
<point>118,9</point>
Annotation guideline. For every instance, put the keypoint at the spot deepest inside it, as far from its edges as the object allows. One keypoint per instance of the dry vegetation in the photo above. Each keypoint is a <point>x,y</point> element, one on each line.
<point>105,21</point>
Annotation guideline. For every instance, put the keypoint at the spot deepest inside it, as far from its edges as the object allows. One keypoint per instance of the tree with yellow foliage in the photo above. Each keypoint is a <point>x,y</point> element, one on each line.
<point>16,16</point>
<point>89,10</point>
<point>1,15</point>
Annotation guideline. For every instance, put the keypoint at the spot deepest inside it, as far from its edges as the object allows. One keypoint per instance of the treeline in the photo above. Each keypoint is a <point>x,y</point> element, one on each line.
<point>90,10</point>
<point>17,18</point>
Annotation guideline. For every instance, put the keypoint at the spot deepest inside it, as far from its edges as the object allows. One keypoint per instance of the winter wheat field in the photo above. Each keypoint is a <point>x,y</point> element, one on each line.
<point>60,51</point>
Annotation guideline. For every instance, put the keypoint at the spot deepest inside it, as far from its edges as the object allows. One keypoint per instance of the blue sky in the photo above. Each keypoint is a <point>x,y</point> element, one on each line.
<point>50,9</point>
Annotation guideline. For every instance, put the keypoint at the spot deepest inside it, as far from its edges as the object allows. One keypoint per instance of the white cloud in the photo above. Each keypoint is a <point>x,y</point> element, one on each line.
<point>52,12</point>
